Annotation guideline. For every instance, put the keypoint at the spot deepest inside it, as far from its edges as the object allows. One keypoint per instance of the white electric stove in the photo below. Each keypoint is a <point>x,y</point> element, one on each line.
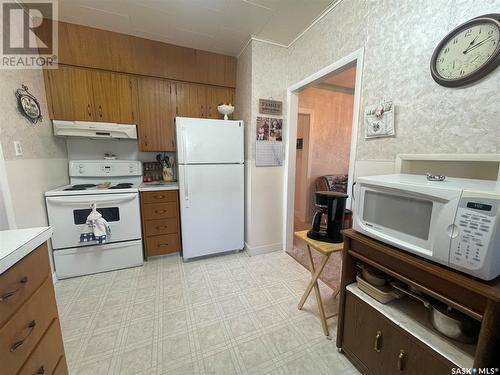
<point>112,185</point>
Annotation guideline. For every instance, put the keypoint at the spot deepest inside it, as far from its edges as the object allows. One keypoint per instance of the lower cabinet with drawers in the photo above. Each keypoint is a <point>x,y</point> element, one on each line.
<point>30,332</point>
<point>160,222</point>
<point>380,347</point>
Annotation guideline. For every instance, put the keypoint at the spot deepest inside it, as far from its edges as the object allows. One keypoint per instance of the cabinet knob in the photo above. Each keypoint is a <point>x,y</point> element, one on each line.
<point>40,371</point>
<point>378,341</point>
<point>401,360</point>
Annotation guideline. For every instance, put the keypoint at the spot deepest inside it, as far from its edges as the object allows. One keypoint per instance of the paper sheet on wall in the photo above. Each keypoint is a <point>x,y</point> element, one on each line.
<point>268,153</point>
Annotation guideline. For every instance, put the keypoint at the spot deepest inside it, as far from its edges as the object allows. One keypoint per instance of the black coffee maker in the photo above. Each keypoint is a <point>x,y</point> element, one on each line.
<point>331,204</point>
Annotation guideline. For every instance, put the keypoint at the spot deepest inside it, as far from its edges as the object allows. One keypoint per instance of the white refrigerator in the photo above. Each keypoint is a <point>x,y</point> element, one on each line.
<point>210,156</point>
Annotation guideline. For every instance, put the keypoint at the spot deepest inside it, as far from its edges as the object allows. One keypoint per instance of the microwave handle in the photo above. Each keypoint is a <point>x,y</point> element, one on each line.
<point>352,190</point>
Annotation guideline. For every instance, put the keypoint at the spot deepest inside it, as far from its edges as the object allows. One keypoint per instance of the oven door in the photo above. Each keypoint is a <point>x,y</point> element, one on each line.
<point>413,218</point>
<point>68,214</point>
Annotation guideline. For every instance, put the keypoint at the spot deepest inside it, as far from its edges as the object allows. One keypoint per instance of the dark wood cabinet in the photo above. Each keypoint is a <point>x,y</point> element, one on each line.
<point>384,348</point>
<point>377,345</point>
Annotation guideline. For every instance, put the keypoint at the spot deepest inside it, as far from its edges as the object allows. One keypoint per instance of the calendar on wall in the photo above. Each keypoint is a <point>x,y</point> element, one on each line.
<point>269,150</point>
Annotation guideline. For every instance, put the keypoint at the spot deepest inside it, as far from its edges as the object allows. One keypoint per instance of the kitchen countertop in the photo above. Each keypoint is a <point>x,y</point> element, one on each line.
<point>157,186</point>
<point>17,243</point>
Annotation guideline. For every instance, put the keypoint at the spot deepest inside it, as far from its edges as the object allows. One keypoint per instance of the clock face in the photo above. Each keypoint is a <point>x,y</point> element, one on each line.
<point>467,53</point>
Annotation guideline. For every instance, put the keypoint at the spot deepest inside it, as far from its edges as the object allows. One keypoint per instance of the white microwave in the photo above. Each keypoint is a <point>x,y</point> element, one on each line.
<point>455,222</point>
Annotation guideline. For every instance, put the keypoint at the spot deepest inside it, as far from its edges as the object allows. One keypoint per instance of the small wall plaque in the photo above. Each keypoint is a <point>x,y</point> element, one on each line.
<point>270,107</point>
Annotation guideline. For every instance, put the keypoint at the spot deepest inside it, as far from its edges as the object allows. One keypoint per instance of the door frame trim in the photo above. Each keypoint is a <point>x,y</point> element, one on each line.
<point>291,136</point>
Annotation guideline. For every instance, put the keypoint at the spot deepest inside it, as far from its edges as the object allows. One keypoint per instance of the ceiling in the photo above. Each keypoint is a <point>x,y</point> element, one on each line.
<point>222,26</point>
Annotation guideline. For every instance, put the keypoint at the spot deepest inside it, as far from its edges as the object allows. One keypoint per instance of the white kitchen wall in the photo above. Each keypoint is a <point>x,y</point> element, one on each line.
<point>398,38</point>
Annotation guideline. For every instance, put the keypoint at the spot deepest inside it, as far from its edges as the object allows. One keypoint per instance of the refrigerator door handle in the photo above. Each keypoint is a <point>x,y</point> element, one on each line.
<point>186,188</point>
<point>183,140</point>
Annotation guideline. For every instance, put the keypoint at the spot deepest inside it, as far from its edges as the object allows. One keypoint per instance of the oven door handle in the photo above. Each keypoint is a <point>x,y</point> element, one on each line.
<point>86,199</point>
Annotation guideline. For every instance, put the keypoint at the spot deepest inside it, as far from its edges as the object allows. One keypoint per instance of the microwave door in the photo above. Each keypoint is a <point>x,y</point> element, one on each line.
<point>414,221</point>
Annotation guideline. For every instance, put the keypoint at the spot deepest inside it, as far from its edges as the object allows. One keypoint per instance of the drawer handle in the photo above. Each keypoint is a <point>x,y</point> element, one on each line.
<point>40,371</point>
<point>159,196</point>
<point>162,244</point>
<point>88,110</point>
<point>160,211</point>
<point>17,344</point>
<point>160,227</point>
<point>100,111</point>
<point>401,360</point>
<point>378,340</point>
<point>7,295</point>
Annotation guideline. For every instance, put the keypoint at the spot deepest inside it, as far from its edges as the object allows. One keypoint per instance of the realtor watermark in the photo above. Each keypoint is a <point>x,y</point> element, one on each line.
<point>475,371</point>
<point>29,34</point>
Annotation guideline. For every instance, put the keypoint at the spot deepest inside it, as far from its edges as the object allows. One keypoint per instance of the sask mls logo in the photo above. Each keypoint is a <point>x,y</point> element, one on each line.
<point>29,35</point>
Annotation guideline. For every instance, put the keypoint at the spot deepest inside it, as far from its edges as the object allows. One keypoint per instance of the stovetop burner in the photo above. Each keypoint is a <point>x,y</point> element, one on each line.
<point>83,186</point>
<point>122,185</point>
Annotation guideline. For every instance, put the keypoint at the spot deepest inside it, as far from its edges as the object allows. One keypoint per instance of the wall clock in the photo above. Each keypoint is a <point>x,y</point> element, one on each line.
<point>467,53</point>
<point>27,105</point>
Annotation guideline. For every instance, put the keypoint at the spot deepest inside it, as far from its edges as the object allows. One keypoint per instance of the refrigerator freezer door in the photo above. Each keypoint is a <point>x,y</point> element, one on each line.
<point>204,141</point>
<point>212,202</point>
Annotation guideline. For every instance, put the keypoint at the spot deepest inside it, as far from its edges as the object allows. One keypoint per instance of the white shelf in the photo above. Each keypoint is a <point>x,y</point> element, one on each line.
<point>411,316</point>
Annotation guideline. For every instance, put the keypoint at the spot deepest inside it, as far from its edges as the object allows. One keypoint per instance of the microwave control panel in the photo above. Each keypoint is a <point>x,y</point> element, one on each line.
<point>476,223</point>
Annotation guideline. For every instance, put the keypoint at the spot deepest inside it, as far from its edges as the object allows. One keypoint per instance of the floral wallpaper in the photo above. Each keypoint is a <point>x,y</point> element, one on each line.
<point>398,38</point>
<point>38,141</point>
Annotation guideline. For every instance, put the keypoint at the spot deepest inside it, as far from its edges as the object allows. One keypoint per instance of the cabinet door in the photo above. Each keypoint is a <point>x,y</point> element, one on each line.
<point>190,100</point>
<point>383,347</point>
<point>364,333</point>
<point>156,106</point>
<point>216,96</point>
<point>112,97</point>
<point>69,93</point>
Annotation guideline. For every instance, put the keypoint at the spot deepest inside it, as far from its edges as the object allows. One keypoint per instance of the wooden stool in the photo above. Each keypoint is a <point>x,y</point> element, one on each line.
<point>326,248</point>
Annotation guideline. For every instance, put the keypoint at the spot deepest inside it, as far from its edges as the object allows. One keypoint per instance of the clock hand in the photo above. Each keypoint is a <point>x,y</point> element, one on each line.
<point>473,41</point>
<point>477,45</point>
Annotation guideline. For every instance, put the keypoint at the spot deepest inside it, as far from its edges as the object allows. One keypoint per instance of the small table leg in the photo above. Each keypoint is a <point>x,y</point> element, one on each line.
<point>314,284</point>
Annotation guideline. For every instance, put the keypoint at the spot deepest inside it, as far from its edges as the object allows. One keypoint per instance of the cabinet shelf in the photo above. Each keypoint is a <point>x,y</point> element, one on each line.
<point>411,316</point>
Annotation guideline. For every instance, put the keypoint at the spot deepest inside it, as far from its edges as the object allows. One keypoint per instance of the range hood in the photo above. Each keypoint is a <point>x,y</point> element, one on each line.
<point>94,130</point>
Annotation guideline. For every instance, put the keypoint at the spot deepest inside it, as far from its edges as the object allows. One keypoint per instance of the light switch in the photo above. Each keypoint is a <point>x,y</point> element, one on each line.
<point>18,148</point>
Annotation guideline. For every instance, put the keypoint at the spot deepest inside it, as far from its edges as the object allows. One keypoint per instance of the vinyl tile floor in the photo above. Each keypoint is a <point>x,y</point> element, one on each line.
<point>231,314</point>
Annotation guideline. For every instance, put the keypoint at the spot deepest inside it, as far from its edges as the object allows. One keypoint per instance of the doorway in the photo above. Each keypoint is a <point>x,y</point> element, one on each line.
<point>302,170</point>
<point>337,138</point>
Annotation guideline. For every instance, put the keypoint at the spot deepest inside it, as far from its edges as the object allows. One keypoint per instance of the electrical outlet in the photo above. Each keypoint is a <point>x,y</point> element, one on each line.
<point>18,148</point>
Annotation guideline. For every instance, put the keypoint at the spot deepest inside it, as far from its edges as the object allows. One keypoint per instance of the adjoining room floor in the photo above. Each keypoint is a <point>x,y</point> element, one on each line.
<point>231,314</point>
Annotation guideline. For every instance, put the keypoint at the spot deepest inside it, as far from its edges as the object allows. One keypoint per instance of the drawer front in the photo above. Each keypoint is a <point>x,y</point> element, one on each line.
<point>383,347</point>
<point>160,210</point>
<point>164,244</point>
<point>23,331</point>
<point>61,368</point>
<point>159,196</point>
<point>163,226</point>
<point>19,282</point>
<point>47,354</point>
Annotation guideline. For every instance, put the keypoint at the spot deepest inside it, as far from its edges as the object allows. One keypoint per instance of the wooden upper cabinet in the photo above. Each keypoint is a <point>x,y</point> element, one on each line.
<point>89,94</point>
<point>69,93</point>
<point>95,48</point>
<point>190,100</point>
<point>156,103</point>
<point>216,96</point>
<point>112,97</point>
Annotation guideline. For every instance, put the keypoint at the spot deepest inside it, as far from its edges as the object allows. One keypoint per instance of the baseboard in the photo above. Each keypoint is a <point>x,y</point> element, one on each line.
<point>264,249</point>
<point>54,277</point>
